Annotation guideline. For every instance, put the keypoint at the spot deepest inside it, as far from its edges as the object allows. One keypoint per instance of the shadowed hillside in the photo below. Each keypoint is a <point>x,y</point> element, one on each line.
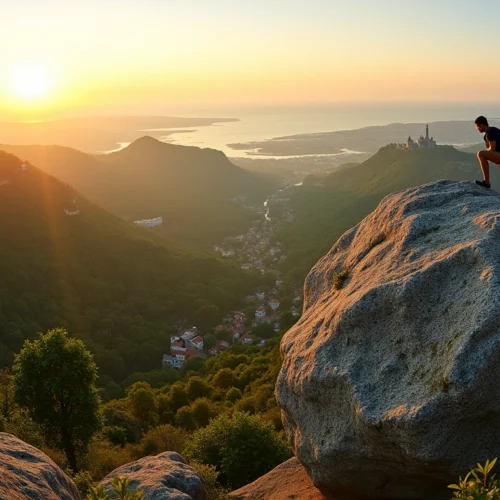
<point>193,189</point>
<point>66,262</point>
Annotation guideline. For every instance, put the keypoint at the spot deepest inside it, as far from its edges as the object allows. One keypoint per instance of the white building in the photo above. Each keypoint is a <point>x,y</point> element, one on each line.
<point>157,221</point>
<point>173,361</point>
<point>197,342</point>
<point>275,304</point>
<point>260,313</point>
<point>190,334</point>
<point>260,295</point>
<point>247,339</point>
<point>71,213</point>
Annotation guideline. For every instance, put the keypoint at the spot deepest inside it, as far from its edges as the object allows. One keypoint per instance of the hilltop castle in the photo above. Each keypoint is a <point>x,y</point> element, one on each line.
<point>421,142</point>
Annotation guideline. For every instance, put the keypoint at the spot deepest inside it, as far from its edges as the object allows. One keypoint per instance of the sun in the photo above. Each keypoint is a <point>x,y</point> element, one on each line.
<point>30,81</point>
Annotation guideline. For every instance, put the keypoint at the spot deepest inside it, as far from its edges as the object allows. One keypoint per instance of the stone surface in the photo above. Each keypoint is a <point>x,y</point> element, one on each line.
<point>28,474</point>
<point>390,384</point>
<point>288,481</point>
<point>162,477</point>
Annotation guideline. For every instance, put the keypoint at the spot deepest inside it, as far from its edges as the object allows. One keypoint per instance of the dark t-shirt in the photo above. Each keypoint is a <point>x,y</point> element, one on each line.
<point>493,134</point>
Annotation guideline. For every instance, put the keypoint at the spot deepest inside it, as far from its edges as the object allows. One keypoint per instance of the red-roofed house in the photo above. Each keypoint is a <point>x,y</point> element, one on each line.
<point>198,343</point>
<point>247,339</point>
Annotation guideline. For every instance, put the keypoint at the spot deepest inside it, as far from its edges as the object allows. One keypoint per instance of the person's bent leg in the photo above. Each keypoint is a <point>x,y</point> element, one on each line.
<point>485,168</point>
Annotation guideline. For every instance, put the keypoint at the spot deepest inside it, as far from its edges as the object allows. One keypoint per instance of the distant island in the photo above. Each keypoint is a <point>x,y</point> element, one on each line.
<point>366,140</point>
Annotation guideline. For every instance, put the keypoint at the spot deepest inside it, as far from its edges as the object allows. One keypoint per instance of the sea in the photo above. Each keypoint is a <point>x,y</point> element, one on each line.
<point>264,123</point>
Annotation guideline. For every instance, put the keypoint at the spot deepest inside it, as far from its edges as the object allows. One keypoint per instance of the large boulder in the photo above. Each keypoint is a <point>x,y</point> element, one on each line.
<point>287,481</point>
<point>28,474</point>
<point>162,477</point>
<point>390,381</point>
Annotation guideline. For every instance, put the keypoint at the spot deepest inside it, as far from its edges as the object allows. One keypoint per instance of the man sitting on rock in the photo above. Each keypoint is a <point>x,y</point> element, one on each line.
<point>492,141</point>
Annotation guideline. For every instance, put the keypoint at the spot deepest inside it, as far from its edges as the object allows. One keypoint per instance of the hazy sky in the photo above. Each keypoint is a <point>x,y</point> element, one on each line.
<point>135,55</point>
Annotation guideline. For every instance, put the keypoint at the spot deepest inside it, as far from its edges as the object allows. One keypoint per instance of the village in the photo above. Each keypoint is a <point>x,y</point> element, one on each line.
<point>236,328</point>
<point>258,249</point>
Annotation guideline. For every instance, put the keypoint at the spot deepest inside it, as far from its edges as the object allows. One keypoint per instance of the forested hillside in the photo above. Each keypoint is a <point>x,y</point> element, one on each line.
<point>199,193</point>
<point>66,262</point>
<point>326,206</point>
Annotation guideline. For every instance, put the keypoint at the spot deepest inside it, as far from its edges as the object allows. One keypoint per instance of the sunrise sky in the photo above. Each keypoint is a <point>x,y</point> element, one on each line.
<point>141,55</point>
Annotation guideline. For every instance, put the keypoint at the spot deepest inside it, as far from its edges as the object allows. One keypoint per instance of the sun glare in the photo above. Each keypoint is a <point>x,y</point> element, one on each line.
<point>30,81</point>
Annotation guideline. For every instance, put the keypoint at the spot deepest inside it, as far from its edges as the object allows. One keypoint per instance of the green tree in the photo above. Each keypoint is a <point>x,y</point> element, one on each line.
<point>224,335</point>
<point>224,378</point>
<point>233,394</point>
<point>287,320</point>
<point>207,316</point>
<point>209,341</point>
<point>54,379</point>
<point>184,418</point>
<point>7,404</point>
<point>203,411</point>
<point>142,403</point>
<point>198,388</point>
<point>242,447</point>
<point>178,396</point>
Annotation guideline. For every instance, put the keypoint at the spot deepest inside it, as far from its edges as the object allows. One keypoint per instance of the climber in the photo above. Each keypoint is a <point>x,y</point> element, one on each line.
<point>492,153</point>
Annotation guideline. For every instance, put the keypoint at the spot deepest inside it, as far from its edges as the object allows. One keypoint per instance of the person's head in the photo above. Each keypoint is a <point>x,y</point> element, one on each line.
<point>481,124</point>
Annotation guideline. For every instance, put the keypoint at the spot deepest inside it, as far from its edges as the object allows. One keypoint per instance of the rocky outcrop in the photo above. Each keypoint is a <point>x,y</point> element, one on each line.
<point>287,481</point>
<point>389,384</point>
<point>28,474</point>
<point>164,476</point>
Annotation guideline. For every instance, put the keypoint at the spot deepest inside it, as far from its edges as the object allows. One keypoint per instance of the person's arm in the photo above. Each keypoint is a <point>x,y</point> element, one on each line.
<point>492,145</point>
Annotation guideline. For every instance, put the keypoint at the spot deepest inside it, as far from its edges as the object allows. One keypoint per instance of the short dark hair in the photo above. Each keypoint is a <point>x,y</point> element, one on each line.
<point>481,120</point>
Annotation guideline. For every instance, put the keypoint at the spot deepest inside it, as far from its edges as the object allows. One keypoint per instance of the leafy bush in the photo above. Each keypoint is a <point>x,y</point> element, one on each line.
<point>162,438</point>
<point>478,484</point>
<point>241,447</point>
<point>121,491</point>
<point>83,482</point>
<point>210,476</point>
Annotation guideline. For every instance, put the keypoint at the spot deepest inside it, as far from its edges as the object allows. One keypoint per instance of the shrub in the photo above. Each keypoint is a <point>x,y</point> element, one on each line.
<point>339,279</point>
<point>120,491</point>
<point>162,438</point>
<point>83,482</point>
<point>241,447</point>
<point>104,457</point>
<point>233,394</point>
<point>116,435</point>
<point>210,475</point>
<point>478,484</point>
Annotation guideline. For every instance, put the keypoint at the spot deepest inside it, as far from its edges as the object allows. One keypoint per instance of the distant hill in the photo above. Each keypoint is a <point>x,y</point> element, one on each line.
<point>66,262</point>
<point>191,188</point>
<point>327,206</point>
